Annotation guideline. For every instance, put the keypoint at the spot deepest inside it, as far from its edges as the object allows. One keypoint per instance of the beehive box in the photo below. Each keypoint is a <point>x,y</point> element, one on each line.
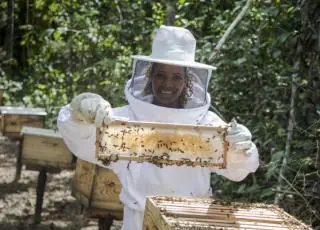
<point>14,118</point>
<point>205,213</point>
<point>161,143</point>
<point>45,147</point>
<point>98,189</point>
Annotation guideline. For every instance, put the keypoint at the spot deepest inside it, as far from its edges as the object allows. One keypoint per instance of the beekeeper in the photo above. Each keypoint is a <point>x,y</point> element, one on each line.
<point>167,86</point>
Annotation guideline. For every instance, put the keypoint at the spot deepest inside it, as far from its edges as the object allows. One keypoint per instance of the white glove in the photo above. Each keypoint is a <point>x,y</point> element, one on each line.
<point>90,108</point>
<point>240,144</point>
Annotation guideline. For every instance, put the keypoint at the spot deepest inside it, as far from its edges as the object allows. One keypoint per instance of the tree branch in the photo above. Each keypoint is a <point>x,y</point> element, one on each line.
<point>118,9</point>
<point>297,194</point>
<point>288,141</point>
<point>229,30</point>
<point>9,39</point>
<point>170,12</point>
<point>317,163</point>
<point>314,212</point>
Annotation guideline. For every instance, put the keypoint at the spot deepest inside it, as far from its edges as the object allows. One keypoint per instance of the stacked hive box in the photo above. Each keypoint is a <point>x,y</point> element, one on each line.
<point>205,213</point>
<point>98,190</point>
<point>44,148</point>
<point>14,118</point>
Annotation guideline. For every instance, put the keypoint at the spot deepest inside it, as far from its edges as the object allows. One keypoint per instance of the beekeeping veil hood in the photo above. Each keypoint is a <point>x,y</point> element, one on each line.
<point>172,46</point>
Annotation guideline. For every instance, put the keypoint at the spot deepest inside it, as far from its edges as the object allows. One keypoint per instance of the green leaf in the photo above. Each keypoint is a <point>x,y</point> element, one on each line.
<point>241,188</point>
<point>57,35</point>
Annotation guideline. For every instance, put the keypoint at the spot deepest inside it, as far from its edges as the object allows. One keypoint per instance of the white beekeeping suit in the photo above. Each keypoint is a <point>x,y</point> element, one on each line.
<point>77,123</point>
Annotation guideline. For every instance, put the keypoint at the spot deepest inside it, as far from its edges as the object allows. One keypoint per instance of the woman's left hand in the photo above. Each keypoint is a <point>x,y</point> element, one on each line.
<point>242,155</point>
<point>240,144</point>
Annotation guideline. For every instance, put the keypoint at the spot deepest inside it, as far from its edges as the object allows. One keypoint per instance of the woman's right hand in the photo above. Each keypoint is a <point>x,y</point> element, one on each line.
<point>90,108</point>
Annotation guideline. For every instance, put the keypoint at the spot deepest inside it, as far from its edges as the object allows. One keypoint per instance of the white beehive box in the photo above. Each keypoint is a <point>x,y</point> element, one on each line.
<point>45,147</point>
<point>14,118</point>
<point>160,143</point>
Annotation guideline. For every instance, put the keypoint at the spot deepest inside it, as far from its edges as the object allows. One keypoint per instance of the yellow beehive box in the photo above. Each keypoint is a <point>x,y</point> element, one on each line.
<point>98,189</point>
<point>14,118</point>
<point>45,147</point>
<point>166,213</point>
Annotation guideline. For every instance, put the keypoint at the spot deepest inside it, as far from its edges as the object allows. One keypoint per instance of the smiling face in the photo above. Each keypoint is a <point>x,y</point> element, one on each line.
<point>168,82</point>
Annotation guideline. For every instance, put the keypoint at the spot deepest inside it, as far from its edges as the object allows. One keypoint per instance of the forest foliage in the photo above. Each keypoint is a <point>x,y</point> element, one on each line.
<point>268,75</point>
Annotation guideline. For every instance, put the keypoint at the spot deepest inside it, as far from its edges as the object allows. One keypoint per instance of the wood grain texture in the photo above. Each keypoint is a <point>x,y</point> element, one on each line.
<point>46,151</point>
<point>97,189</point>
<point>166,213</point>
<point>12,124</point>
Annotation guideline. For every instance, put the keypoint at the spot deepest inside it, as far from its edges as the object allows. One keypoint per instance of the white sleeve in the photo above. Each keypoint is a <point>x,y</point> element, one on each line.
<point>80,138</point>
<point>239,165</point>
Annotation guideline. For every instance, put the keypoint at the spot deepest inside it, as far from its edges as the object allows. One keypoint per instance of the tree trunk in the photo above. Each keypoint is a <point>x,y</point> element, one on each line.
<point>70,69</point>
<point>170,12</point>
<point>286,154</point>
<point>27,23</point>
<point>229,30</point>
<point>10,30</point>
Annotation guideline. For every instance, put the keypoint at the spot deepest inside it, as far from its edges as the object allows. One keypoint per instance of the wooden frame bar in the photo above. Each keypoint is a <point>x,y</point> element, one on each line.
<point>162,144</point>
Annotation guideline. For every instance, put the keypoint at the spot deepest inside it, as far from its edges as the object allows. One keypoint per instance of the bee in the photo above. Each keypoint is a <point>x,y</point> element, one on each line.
<point>128,165</point>
<point>198,159</point>
<point>165,156</point>
<point>186,161</point>
<point>179,163</point>
<point>205,164</point>
<point>105,161</point>
<point>102,148</point>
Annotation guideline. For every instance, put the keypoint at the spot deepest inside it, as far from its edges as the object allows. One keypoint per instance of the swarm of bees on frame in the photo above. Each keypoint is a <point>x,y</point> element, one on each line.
<point>136,139</point>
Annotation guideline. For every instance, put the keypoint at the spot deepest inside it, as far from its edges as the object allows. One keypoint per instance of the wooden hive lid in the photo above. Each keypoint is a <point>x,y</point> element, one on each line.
<point>22,111</point>
<point>206,213</point>
<point>40,132</point>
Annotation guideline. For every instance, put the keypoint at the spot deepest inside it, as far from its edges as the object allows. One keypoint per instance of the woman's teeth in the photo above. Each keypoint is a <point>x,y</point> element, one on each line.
<point>166,92</point>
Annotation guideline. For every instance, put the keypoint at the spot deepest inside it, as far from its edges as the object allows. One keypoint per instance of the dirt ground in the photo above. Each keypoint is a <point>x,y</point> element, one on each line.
<point>17,200</point>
